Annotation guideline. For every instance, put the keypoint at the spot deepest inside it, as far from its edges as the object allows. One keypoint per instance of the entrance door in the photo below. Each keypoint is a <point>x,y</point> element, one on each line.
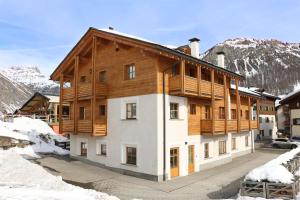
<point>191,159</point>
<point>83,149</point>
<point>174,161</point>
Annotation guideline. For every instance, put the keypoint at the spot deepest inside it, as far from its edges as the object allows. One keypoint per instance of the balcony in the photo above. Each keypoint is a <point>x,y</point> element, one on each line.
<point>205,88</point>
<point>244,124</point>
<point>100,129</point>
<point>67,126</point>
<point>206,126</point>
<point>84,89</point>
<point>253,124</point>
<point>191,85</point>
<point>101,90</point>
<point>84,126</point>
<point>219,90</point>
<point>68,94</point>
<point>232,125</point>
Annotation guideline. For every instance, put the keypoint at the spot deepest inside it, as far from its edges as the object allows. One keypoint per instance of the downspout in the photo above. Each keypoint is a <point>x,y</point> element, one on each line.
<point>164,130</point>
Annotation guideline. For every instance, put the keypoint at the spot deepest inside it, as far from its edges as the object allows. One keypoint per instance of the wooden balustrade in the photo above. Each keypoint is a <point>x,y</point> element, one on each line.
<point>84,126</point>
<point>100,129</point>
<point>84,89</point>
<point>191,85</point>
<point>205,87</point>
<point>206,126</point>
<point>244,124</point>
<point>232,125</point>
<point>175,83</point>
<point>220,125</point>
<point>253,124</point>
<point>101,89</point>
<point>67,126</point>
<point>219,90</point>
<point>68,93</point>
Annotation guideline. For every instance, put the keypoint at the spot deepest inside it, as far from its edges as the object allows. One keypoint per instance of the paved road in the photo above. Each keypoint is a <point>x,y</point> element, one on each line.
<point>216,183</point>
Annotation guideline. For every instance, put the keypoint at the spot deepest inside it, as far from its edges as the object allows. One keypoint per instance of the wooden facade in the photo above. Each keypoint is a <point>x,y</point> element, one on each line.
<point>95,68</point>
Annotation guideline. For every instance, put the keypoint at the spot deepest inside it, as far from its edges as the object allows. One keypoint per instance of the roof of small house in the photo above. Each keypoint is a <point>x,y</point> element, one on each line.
<point>290,96</point>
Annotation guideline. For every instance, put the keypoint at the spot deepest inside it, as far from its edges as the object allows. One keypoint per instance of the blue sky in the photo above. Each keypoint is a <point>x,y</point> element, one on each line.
<point>40,32</point>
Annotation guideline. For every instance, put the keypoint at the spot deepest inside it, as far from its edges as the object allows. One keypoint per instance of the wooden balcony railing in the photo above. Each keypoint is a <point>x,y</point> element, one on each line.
<point>101,89</point>
<point>175,83</point>
<point>68,93</point>
<point>206,126</point>
<point>100,129</point>
<point>244,124</point>
<point>84,126</point>
<point>67,126</point>
<point>84,89</point>
<point>220,125</point>
<point>191,85</point>
<point>232,125</point>
<point>205,88</point>
<point>219,90</point>
<point>253,124</point>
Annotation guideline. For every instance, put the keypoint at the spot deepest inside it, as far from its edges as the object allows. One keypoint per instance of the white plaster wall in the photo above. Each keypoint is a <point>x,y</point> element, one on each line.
<point>280,118</point>
<point>295,129</point>
<point>267,126</point>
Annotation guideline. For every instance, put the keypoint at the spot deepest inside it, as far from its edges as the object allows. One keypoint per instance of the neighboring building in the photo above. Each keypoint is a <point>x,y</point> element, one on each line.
<point>290,106</point>
<point>283,119</point>
<point>151,111</point>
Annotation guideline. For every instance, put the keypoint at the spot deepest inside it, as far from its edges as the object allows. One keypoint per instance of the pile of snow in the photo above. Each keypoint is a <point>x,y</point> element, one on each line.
<point>36,131</point>
<point>21,179</point>
<point>273,170</point>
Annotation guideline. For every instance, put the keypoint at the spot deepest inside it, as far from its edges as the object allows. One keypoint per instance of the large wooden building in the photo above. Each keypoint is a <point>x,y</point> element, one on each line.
<point>151,111</point>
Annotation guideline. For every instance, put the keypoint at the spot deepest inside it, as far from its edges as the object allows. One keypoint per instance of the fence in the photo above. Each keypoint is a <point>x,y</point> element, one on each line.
<point>50,119</point>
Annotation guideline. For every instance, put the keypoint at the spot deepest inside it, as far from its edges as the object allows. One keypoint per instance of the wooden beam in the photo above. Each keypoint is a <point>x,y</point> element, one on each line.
<point>225,102</point>
<point>199,79</point>
<point>93,99</point>
<point>249,112</point>
<point>61,81</point>
<point>238,105</point>
<point>213,100</point>
<point>77,60</point>
<point>257,114</point>
<point>182,70</point>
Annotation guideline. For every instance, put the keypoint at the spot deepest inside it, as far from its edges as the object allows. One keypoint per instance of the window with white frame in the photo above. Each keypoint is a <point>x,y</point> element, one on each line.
<point>174,111</point>
<point>131,111</point>
<point>222,147</point>
<point>131,155</point>
<point>101,149</point>
<point>130,72</point>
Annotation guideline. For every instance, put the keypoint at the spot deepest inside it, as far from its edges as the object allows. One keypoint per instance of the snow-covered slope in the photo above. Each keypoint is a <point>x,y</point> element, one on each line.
<point>32,77</point>
<point>12,94</point>
<point>269,63</point>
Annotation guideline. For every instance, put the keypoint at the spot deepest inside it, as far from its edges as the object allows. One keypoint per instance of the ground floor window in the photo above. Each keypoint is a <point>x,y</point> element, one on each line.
<point>83,149</point>
<point>270,132</point>
<point>233,143</point>
<point>222,147</point>
<point>246,141</point>
<point>131,155</point>
<point>101,149</point>
<point>262,133</point>
<point>206,150</point>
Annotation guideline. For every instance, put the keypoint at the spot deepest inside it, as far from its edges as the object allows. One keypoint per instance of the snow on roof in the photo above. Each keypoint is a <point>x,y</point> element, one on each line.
<point>53,99</point>
<point>291,94</point>
<point>246,90</point>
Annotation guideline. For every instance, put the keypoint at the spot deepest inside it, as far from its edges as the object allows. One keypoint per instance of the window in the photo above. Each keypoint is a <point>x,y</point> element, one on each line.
<point>233,143</point>
<point>131,111</point>
<point>102,110</point>
<point>247,114</point>
<point>267,108</point>
<point>222,147</point>
<point>267,120</point>
<point>173,110</point>
<point>192,109</point>
<point>270,132</point>
<point>233,113</point>
<point>272,108</point>
<point>81,113</point>
<point>220,80</point>
<point>131,155</point>
<point>241,113</point>
<point>262,132</point>
<point>260,119</point>
<point>175,70</point>
<point>206,150</point>
<point>103,149</point>
<point>260,108</point>
<point>191,71</point>
<point>221,113</point>
<point>83,149</point>
<point>102,77</point>
<point>207,112</point>
<point>296,121</point>
<point>130,72</point>
<point>246,141</point>
<point>82,79</point>
<point>205,75</point>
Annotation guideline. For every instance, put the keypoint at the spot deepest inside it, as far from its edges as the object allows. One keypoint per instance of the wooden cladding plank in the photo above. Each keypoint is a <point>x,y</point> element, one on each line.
<point>84,89</point>
<point>219,90</point>
<point>191,84</point>
<point>84,126</point>
<point>206,126</point>
<point>175,83</point>
<point>68,93</point>
<point>67,126</point>
<point>253,124</point>
<point>101,89</point>
<point>232,125</point>
<point>244,125</point>
<point>205,87</point>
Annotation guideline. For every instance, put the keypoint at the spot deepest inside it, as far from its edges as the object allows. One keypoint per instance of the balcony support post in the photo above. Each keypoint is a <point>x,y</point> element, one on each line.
<point>182,71</point>
<point>61,84</point>
<point>249,108</point>
<point>226,103</point>
<point>257,114</point>
<point>75,92</point>
<point>199,79</point>
<point>93,99</point>
<point>238,105</point>
<point>213,122</point>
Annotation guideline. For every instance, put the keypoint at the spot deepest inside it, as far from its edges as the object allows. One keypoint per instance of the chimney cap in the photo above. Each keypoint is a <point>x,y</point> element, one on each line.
<point>194,39</point>
<point>220,53</point>
<point>111,28</point>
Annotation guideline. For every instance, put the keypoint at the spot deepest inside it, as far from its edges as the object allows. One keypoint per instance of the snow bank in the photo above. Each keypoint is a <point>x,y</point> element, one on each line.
<point>21,179</point>
<point>273,170</point>
<point>35,131</point>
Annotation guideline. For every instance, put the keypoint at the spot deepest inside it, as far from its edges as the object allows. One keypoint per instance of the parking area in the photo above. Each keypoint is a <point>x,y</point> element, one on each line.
<point>216,183</point>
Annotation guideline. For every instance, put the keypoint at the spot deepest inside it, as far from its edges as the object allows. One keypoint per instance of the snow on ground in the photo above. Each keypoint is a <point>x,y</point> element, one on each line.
<point>21,179</point>
<point>36,131</point>
<point>273,170</point>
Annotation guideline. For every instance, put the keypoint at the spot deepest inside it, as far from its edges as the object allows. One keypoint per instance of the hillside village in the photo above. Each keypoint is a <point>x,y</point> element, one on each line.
<point>120,116</point>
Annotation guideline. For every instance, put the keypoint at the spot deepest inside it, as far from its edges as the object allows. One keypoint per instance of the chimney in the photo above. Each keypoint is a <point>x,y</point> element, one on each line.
<point>111,28</point>
<point>221,59</point>
<point>194,45</point>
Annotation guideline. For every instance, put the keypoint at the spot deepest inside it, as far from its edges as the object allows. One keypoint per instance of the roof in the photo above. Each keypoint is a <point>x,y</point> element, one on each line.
<point>53,98</point>
<point>36,97</point>
<point>246,91</point>
<point>290,96</point>
<point>147,42</point>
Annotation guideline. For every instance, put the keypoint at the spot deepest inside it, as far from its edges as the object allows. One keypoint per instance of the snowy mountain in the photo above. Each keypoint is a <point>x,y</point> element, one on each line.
<point>31,77</point>
<point>12,95</point>
<point>271,64</point>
